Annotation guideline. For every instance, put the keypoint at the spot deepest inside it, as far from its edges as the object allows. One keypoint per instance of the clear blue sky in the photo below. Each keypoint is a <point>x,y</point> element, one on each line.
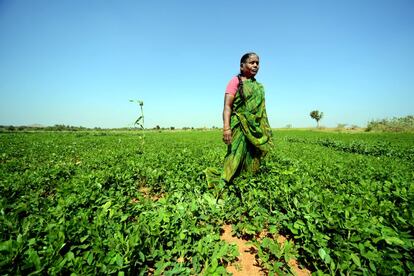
<point>77,62</point>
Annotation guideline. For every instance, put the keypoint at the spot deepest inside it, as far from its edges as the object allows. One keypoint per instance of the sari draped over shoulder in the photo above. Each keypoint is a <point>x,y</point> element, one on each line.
<point>251,134</point>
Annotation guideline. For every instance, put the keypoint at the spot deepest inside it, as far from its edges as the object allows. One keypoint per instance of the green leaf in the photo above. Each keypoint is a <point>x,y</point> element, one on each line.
<point>298,224</point>
<point>32,241</point>
<point>106,205</point>
<point>332,267</point>
<point>214,265</point>
<point>295,202</point>
<point>119,260</point>
<point>34,258</point>
<point>84,238</point>
<point>372,266</point>
<point>124,218</point>
<point>19,239</point>
<point>322,253</point>
<point>273,229</point>
<point>70,255</point>
<point>137,121</point>
<point>90,258</point>
<point>223,250</point>
<point>394,240</point>
<point>6,246</point>
<point>141,256</point>
<point>356,259</point>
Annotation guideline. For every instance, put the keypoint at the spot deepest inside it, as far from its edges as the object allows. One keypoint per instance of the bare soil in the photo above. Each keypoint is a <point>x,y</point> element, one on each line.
<point>147,193</point>
<point>247,264</point>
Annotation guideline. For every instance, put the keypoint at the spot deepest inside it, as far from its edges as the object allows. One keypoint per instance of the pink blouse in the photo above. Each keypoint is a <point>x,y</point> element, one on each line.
<point>232,86</point>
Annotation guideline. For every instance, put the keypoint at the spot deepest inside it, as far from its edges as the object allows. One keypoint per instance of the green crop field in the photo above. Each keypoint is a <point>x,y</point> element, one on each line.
<point>114,203</point>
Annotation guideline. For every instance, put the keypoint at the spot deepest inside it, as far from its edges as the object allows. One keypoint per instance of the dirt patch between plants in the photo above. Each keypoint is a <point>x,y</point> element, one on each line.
<point>147,193</point>
<point>247,264</point>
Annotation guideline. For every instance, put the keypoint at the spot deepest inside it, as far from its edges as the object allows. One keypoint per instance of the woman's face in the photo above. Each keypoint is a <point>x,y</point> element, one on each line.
<point>250,67</point>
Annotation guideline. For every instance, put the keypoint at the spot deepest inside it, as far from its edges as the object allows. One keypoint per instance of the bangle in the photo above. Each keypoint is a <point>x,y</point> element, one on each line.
<point>226,129</point>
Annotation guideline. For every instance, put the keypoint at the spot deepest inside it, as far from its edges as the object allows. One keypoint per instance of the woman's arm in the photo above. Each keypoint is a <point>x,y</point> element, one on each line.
<point>228,106</point>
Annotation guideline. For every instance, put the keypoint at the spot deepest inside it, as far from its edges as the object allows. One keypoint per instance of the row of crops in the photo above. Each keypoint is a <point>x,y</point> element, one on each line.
<point>105,202</point>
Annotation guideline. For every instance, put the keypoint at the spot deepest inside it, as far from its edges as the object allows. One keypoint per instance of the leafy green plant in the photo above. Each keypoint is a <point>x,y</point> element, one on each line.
<point>396,124</point>
<point>140,123</point>
<point>74,203</point>
<point>275,257</point>
<point>140,120</point>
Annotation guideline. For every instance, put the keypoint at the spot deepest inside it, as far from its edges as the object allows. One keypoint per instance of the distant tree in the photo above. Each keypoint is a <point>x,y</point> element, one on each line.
<point>315,114</point>
<point>59,127</point>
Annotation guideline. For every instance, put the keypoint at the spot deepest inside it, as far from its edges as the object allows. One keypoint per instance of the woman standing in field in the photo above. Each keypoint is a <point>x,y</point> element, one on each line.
<point>246,129</point>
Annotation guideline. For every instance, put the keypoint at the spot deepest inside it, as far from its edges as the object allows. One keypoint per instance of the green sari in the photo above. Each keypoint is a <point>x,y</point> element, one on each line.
<point>251,134</point>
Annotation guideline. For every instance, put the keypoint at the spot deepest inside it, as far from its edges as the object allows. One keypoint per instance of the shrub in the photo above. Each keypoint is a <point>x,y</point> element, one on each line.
<point>396,124</point>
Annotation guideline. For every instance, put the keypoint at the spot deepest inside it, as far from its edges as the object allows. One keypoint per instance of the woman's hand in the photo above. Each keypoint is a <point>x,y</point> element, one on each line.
<point>227,136</point>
